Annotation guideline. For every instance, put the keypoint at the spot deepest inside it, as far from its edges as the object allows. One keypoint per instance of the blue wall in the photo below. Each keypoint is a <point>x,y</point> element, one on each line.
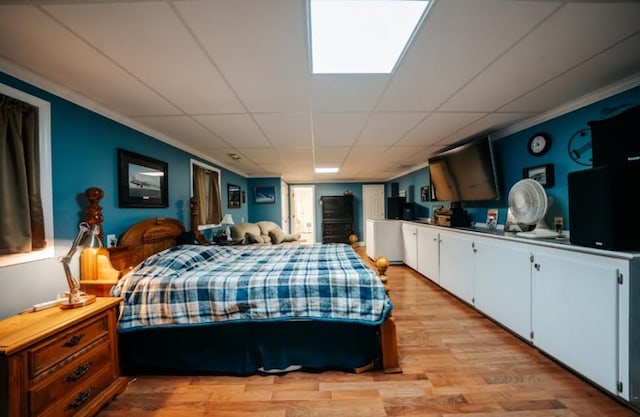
<point>512,157</point>
<point>265,212</point>
<point>84,154</point>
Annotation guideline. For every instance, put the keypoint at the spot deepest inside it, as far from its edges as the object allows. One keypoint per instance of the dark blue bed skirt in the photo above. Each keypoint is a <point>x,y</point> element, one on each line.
<point>247,348</point>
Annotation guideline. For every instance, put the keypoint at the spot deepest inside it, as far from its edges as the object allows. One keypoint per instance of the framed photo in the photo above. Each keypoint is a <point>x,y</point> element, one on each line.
<point>233,196</point>
<point>265,195</point>
<point>424,193</point>
<point>544,174</point>
<point>142,181</point>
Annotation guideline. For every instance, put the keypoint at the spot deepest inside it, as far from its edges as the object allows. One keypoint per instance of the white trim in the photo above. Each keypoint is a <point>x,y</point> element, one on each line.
<point>46,188</point>
<point>588,99</point>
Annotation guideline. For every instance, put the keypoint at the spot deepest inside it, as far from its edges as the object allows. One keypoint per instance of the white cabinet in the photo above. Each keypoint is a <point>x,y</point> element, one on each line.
<point>456,264</point>
<point>410,245</point>
<point>382,238</point>
<point>575,312</point>
<point>420,244</point>
<point>502,283</point>
<point>576,304</point>
<point>428,252</point>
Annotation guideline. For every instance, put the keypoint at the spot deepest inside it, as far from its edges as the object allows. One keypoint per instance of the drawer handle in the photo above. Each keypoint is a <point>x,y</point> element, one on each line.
<point>74,340</point>
<point>77,374</point>
<point>80,399</point>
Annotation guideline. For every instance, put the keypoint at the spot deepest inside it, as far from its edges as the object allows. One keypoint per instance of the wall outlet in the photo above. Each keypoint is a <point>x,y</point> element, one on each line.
<point>558,224</point>
<point>112,241</point>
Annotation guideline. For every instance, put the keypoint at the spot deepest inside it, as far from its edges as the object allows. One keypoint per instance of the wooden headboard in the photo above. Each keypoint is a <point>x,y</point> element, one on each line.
<point>143,239</point>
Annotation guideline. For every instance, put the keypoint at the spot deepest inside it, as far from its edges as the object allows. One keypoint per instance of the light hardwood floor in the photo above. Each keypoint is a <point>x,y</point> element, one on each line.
<point>455,363</point>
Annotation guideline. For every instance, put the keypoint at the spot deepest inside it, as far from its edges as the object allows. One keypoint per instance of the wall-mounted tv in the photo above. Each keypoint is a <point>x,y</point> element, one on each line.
<point>465,173</point>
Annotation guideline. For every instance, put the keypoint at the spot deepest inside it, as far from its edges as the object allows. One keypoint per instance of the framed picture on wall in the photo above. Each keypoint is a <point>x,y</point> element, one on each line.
<point>424,193</point>
<point>544,174</point>
<point>233,196</point>
<point>265,195</point>
<point>142,181</point>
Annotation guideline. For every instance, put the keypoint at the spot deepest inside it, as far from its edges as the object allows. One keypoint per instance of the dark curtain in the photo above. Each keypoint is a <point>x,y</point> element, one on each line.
<point>21,216</point>
<point>207,191</point>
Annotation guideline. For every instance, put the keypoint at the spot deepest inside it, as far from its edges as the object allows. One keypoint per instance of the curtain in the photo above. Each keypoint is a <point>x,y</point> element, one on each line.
<point>207,191</point>
<point>21,214</point>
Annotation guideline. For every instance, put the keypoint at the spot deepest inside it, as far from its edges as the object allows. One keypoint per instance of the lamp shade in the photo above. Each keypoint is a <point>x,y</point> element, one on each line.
<point>94,237</point>
<point>227,219</point>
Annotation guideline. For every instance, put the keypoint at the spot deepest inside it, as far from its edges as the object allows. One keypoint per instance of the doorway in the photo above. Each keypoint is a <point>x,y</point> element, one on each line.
<point>303,217</point>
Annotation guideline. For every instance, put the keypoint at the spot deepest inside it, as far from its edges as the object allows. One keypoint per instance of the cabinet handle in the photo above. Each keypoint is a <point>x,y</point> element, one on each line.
<point>80,399</point>
<point>74,340</point>
<point>77,374</point>
<point>536,266</point>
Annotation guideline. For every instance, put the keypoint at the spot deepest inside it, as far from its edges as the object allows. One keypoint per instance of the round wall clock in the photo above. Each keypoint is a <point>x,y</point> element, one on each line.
<point>539,144</point>
<point>580,147</point>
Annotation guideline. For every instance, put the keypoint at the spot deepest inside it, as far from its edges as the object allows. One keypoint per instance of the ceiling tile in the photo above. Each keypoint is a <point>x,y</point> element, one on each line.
<point>175,66</point>
<point>575,33</point>
<point>187,130</point>
<point>458,39</point>
<point>238,130</point>
<point>286,129</point>
<point>259,46</point>
<point>385,128</point>
<point>337,129</point>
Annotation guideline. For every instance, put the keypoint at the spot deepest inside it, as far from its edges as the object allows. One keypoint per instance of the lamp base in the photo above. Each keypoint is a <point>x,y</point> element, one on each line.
<point>80,301</point>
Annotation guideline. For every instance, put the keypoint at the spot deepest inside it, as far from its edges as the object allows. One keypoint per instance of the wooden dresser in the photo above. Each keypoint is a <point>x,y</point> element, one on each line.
<point>60,363</point>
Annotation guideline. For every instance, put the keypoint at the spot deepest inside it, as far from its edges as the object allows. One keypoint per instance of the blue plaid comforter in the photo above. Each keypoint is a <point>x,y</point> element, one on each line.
<point>193,285</point>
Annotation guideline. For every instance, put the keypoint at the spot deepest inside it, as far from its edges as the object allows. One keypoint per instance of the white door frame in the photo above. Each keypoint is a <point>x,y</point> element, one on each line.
<point>308,215</point>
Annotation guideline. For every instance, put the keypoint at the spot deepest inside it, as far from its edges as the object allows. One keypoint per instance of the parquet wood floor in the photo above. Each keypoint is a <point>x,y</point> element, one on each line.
<point>455,362</point>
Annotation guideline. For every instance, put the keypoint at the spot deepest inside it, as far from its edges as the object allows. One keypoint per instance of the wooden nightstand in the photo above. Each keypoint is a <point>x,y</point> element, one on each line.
<point>59,362</point>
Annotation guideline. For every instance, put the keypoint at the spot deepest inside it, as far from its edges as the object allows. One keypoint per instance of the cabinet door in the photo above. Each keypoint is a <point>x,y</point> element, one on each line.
<point>503,283</point>
<point>456,264</point>
<point>410,245</point>
<point>575,311</point>
<point>428,253</point>
<point>370,239</point>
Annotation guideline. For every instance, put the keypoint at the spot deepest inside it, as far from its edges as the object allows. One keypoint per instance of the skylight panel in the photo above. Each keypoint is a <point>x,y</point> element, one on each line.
<point>361,36</point>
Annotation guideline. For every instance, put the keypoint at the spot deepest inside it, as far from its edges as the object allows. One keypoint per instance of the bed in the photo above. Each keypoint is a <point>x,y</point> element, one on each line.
<point>203,309</point>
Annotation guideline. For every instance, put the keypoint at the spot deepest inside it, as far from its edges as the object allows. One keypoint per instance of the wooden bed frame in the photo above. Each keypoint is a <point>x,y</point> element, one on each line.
<point>150,236</point>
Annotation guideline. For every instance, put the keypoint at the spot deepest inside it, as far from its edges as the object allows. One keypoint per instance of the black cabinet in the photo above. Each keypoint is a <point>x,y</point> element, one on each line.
<point>337,218</point>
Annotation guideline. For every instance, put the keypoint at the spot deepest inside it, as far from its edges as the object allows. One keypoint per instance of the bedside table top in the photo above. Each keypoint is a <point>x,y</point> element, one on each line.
<point>22,329</point>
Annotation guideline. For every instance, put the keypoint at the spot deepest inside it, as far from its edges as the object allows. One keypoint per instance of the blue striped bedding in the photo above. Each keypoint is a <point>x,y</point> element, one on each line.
<point>195,285</point>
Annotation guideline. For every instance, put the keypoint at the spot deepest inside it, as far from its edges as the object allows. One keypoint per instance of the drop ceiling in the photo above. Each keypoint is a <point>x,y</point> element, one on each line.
<point>220,77</point>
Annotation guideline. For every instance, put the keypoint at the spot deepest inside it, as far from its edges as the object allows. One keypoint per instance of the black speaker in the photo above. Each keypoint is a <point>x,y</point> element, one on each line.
<point>602,207</point>
<point>395,189</point>
<point>394,207</point>
<point>616,139</point>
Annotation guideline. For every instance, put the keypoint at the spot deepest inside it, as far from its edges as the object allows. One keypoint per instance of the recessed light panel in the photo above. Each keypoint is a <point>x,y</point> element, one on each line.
<point>326,170</point>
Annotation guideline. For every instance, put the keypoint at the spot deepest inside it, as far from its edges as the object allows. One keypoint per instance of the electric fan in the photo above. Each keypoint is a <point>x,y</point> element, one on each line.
<point>528,204</point>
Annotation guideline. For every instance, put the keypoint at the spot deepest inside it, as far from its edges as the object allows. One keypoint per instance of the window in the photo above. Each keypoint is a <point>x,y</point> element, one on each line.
<point>43,155</point>
<point>205,186</point>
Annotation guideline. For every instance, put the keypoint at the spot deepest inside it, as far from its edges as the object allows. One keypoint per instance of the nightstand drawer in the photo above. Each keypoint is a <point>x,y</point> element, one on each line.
<point>80,397</point>
<point>57,348</point>
<point>69,377</point>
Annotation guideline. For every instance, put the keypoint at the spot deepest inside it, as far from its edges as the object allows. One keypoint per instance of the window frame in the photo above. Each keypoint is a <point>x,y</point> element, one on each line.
<point>46,173</point>
<point>202,227</point>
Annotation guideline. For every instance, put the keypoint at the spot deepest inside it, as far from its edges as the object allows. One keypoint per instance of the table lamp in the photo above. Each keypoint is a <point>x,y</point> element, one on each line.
<point>226,221</point>
<point>77,298</point>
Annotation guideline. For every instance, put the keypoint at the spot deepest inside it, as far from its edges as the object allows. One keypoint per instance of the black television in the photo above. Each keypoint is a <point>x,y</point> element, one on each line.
<point>466,172</point>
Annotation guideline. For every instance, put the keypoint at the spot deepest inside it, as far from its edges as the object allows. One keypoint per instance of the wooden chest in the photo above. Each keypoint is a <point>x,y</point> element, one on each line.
<point>60,363</point>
